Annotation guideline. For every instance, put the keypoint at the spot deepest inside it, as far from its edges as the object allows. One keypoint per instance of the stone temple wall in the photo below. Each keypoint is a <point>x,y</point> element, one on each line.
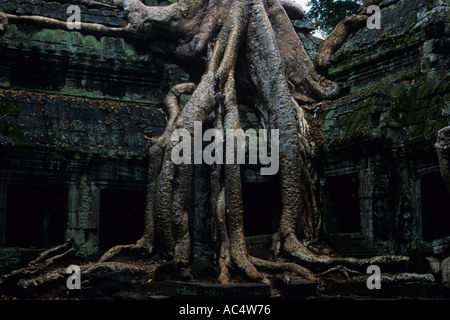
<point>73,112</point>
<point>378,140</point>
<point>74,109</point>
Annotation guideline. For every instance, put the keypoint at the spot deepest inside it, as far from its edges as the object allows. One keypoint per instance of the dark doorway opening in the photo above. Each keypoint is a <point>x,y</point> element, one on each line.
<point>35,216</point>
<point>262,207</point>
<point>122,215</point>
<point>342,213</point>
<point>435,207</point>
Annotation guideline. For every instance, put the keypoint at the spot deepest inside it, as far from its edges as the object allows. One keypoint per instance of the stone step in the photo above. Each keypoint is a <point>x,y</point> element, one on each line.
<point>296,289</point>
<point>159,297</point>
<point>351,247</point>
<point>387,290</point>
<point>218,291</point>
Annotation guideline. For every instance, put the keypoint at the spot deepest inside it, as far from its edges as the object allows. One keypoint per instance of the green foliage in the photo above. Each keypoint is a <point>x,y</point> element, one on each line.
<point>326,14</point>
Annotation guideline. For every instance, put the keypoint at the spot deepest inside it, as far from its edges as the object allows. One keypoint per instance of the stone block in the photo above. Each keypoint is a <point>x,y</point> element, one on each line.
<point>445,269</point>
<point>123,277</point>
<point>167,271</point>
<point>219,291</point>
<point>297,289</point>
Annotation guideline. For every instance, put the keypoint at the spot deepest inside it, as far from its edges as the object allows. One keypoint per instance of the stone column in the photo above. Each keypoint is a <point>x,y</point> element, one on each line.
<point>366,180</point>
<point>83,215</point>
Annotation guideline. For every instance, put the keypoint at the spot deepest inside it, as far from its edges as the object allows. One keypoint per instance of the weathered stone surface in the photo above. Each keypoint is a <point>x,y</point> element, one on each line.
<point>258,246</point>
<point>217,291</point>
<point>385,128</point>
<point>112,285</point>
<point>75,107</point>
<point>203,270</point>
<point>167,271</point>
<point>401,111</point>
<point>443,150</point>
<point>122,276</point>
<point>57,9</point>
<point>371,56</point>
<point>396,290</point>
<point>445,269</point>
<point>69,123</point>
<point>295,289</point>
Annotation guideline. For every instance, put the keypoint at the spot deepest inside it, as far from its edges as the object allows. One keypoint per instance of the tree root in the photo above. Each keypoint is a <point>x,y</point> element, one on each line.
<point>54,253</point>
<point>304,256</point>
<point>3,23</point>
<point>335,39</point>
<point>283,266</point>
<point>402,278</point>
<point>120,249</point>
<point>50,23</point>
<point>33,283</point>
<point>38,267</point>
<point>172,110</point>
<point>224,250</point>
<point>343,269</point>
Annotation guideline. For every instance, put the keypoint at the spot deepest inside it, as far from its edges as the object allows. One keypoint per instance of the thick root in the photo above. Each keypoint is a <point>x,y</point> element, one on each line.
<point>36,283</point>
<point>172,110</point>
<point>38,268</point>
<point>335,39</point>
<point>55,252</point>
<point>304,256</point>
<point>283,266</point>
<point>224,251</point>
<point>233,194</point>
<point>115,251</point>
<point>3,23</point>
<point>296,64</point>
<point>50,23</point>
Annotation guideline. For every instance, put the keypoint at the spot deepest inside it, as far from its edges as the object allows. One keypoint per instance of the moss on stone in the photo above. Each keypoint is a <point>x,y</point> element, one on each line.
<point>441,123</point>
<point>70,41</point>
<point>442,87</point>
<point>418,109</point>
<point>366,101</point>
<point>395,117</point>
<point>12,130</point>
<point>9,108</point>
